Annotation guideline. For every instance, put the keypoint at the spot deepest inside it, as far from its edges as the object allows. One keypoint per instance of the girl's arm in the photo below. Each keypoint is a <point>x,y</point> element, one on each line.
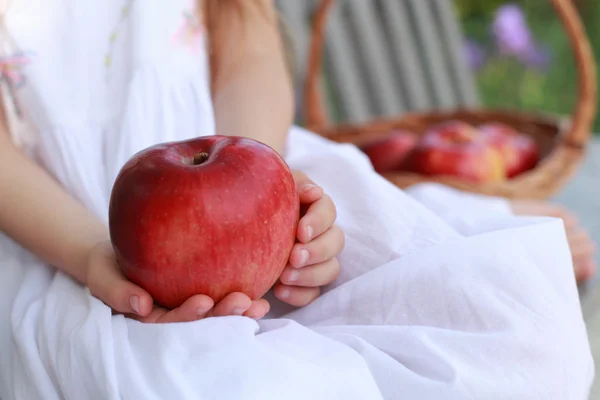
<point>36,212</point>
<point>253,97</point>
<point>252,90</point>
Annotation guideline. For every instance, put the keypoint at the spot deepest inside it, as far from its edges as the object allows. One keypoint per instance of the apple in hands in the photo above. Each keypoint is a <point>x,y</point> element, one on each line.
<point>211,215</point>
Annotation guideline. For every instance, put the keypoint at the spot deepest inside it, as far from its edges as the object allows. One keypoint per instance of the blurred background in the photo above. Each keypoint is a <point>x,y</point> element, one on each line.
<point>386,58</point>
<point>520,55</point>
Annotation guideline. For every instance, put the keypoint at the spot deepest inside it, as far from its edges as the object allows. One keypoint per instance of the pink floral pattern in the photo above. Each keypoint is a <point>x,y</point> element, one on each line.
<point>11,68</point>
<point>191,30</point>
<point>11,74</point>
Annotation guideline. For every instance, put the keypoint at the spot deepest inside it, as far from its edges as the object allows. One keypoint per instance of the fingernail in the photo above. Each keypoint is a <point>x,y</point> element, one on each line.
<point>293,276</point>
<point>201,311</point>
<point>309,232</point>
<point>134,302</point>
<point>303,257</point>
<point>308,187</point>
<point>284,293</point>
<point>238,311</point>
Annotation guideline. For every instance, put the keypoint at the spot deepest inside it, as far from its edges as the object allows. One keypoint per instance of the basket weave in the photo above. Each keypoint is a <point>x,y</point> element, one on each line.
<point>562,142</point>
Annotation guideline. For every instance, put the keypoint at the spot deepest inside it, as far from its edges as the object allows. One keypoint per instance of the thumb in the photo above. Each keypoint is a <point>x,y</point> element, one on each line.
<point>110,285</point>
<point>127,298</point>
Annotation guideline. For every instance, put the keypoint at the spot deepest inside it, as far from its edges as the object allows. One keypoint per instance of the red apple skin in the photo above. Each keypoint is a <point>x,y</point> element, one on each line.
<point>520,152</point>
<point>225,225</point>
<point>456,150</point>
<point>454,130</point>
<point>388,154</point>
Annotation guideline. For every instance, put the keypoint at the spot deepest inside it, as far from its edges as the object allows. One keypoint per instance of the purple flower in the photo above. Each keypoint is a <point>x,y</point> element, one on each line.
<point>474,54</point>
<point>514,38</point>
<point>511,32</point>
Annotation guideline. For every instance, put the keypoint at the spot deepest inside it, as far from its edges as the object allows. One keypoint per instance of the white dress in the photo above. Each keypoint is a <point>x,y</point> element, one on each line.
<point>447,297</point>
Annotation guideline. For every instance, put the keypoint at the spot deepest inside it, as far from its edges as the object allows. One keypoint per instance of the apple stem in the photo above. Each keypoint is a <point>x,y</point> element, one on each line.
<point>200,158</point>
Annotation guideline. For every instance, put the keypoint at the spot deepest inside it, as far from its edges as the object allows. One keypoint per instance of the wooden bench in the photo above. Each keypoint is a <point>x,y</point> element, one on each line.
<point>414,52</point>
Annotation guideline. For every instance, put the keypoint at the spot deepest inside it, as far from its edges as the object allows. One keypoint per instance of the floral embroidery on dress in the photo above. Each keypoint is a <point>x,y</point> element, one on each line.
<point>189,34</point>
<point>12,63</point>
<point>112,39</point>
<point>11,68</point>
<point>11,74</point>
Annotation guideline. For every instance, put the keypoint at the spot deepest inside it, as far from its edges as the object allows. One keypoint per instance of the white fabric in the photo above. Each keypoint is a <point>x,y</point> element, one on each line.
<point>423,309</point>
<point>467,213</point>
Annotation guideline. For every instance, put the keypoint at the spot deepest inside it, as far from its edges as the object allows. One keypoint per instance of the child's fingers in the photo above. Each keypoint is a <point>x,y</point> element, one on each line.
<point>324,247</point>
<point>570,220</point>
<point>155,315</point>
<point>110,285</point>
<point>194,308</point>
<point>319,218</point>
<point>232,304</point>
<point>585,268</point>
<point>258,309</point>
<point>200,306</point>
<point>296,295</point>
<point>583,249</point>
<point>313,275</point>
<point>580,242</point>
<point>308,191</point>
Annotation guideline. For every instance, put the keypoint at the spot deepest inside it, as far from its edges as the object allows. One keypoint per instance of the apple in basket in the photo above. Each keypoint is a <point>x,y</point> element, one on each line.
<point>455,148</point>
<point>388,153</point>
<point>211,215</point>
<point>520,152</point>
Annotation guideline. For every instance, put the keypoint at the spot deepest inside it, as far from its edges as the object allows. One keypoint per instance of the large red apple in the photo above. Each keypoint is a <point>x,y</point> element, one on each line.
<point>388,153</point>
<point>520,152</point>
<point>455,149</point>
<point>212,215</point>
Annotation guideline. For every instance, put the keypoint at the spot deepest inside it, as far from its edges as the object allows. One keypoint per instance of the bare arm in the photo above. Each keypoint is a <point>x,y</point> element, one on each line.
<point>37,213</point>
<point>252,92</point>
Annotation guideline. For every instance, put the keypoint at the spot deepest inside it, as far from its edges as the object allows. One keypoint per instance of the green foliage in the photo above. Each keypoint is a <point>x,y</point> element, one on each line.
<point>475,8</point>
<point>504,82</point>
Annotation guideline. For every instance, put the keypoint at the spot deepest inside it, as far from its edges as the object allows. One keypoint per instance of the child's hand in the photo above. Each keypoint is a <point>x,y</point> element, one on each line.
<point>106,282</point>
<point>313,261</point>
<point>583,247</point>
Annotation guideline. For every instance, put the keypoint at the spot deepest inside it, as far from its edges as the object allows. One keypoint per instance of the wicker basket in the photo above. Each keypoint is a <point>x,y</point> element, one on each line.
<point>562,142</point>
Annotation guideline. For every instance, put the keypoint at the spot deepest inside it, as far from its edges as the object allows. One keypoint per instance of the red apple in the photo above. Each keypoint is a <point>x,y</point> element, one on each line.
<point>388,153</point>
<point>455,149</point>
<point>454,130</point>
<point>520,152</point>
<point>212,215</point>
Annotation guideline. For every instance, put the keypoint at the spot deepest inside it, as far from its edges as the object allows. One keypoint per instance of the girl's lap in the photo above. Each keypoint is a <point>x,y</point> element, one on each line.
<point>403,280</point>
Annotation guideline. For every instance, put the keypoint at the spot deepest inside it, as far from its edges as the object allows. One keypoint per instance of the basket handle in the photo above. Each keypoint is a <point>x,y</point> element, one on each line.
<point>313,102</point>
<point>584,110</point>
